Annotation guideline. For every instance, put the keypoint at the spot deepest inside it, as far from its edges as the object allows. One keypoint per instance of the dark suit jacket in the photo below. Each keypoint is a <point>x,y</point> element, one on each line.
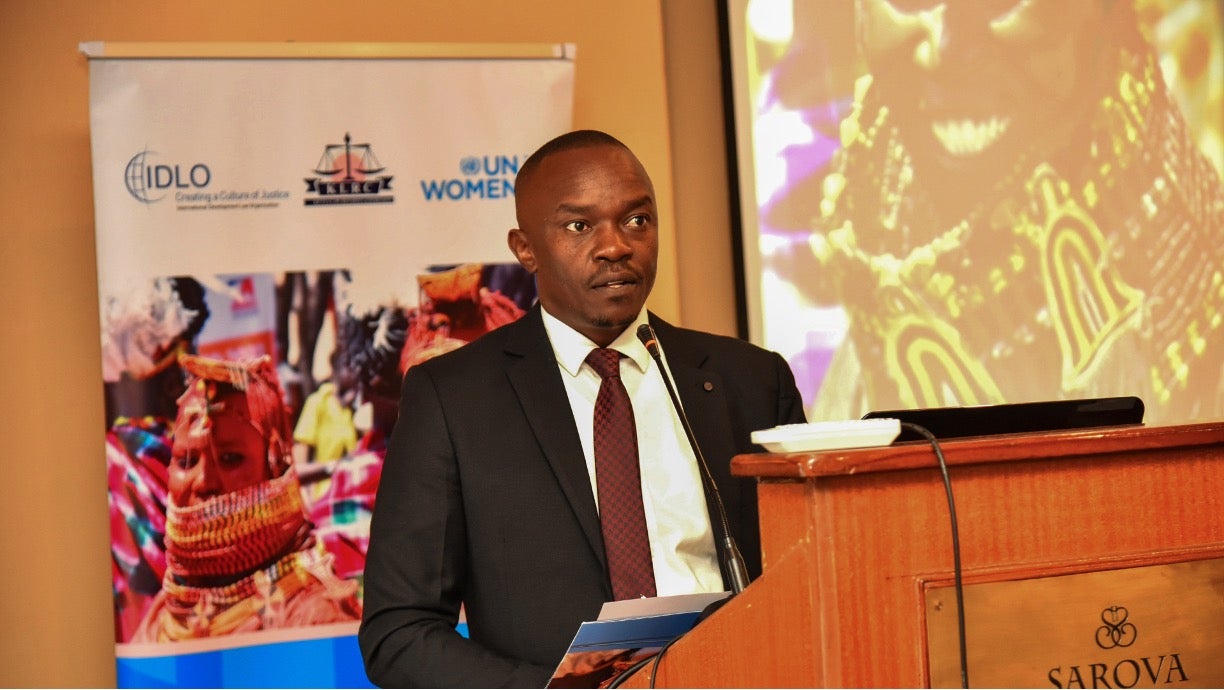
<point>485,501</point>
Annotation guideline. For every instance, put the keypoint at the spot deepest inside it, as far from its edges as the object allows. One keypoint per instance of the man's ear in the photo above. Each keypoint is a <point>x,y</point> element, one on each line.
<point>516,239</point>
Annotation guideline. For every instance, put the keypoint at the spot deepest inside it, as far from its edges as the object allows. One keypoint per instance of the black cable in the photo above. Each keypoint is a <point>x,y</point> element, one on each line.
<point>637,665</point>
<point>621,677</point>
<point>705,613</point>
<point>956,558</point>
<point>658,658</point>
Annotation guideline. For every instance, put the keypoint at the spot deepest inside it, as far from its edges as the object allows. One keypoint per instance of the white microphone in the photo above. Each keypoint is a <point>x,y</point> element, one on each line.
<point>732,562</point>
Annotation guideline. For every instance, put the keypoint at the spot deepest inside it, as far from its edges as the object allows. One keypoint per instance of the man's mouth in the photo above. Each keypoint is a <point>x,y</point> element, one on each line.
<point>969,137</point>
<point>615,279</point>
<point>616,284</point>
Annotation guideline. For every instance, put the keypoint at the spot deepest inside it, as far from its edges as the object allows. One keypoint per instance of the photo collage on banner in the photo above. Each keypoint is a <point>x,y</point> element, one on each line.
<point>279,240</point>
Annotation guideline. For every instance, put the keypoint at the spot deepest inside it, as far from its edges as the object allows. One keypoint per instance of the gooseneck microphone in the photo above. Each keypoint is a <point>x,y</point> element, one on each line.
<point>731,560</point>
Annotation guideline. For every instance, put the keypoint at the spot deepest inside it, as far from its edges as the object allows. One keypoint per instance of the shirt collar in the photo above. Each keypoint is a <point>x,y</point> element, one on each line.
<point>571,347</point>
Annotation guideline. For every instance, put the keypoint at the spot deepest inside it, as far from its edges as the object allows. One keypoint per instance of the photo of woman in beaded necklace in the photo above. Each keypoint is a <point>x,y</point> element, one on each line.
<point>988,201</point>
<point>221,524</point>
<point>211,531</point>
<point>240,555</point>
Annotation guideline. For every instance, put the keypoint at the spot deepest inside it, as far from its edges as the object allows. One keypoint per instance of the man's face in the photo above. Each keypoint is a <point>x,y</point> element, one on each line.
<point>216,449</point>
<point>973,84</point>
<point>588,232</point>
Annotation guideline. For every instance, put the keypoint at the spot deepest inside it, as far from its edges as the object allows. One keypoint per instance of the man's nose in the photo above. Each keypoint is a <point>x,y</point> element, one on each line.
<point>611,242</point>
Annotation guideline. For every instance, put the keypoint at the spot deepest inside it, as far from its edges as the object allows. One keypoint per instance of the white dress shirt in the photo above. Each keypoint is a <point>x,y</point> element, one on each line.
<point>681,539</point>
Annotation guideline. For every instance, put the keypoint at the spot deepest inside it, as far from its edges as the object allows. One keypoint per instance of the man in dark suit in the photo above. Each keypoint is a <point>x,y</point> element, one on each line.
<point>488,493</point>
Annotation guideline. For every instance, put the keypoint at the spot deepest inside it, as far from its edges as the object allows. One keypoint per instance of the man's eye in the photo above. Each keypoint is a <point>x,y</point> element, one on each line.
<point>576,226</point>
<point>638,221</point>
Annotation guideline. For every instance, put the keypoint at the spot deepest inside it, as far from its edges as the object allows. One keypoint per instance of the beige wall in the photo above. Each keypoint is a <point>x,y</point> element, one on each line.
<point>55,579</point>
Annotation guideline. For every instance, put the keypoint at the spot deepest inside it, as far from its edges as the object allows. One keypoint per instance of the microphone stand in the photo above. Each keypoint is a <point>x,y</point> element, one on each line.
<point>735,572</point>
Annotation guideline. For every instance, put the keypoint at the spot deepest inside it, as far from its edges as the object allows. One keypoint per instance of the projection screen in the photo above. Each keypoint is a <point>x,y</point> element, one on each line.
<point>973,202</point>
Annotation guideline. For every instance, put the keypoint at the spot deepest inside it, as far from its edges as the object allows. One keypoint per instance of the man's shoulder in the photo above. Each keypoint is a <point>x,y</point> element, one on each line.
<point>712,343</point>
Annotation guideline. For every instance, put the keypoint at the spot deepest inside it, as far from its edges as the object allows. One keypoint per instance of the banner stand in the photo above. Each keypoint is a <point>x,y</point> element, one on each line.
<point>313,219</point>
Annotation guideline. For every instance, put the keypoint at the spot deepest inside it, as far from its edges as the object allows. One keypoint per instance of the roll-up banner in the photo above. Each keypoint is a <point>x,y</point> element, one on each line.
<point>282,230</point>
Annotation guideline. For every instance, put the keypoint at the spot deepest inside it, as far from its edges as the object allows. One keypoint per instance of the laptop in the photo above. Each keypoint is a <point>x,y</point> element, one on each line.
<point>1016,418</point>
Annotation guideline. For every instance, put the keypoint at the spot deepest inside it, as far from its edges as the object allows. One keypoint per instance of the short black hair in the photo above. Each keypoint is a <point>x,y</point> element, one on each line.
<point>577,139</point>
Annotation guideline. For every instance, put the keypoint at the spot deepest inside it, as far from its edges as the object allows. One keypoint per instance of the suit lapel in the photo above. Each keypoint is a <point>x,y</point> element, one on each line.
<point>533,373</point>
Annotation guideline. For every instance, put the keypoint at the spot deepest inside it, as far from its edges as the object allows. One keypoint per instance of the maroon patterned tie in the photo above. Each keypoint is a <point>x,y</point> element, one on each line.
<point>620,485</point>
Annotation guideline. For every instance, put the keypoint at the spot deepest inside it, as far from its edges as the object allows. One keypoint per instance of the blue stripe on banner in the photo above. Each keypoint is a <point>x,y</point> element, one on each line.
<point>328,663</point>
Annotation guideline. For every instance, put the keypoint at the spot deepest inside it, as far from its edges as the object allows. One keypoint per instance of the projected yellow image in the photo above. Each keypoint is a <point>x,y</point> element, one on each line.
<point>986,201</point>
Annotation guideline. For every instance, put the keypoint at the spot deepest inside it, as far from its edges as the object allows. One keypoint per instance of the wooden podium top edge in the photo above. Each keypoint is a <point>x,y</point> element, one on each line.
<point>294,50</point>
<point>979,449</point>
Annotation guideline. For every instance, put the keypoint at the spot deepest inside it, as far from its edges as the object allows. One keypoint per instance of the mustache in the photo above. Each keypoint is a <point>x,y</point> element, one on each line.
<point>613,273</point>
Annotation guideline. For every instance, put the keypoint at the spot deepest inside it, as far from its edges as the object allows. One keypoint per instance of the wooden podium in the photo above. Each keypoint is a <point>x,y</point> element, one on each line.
<point>1090,558</point>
